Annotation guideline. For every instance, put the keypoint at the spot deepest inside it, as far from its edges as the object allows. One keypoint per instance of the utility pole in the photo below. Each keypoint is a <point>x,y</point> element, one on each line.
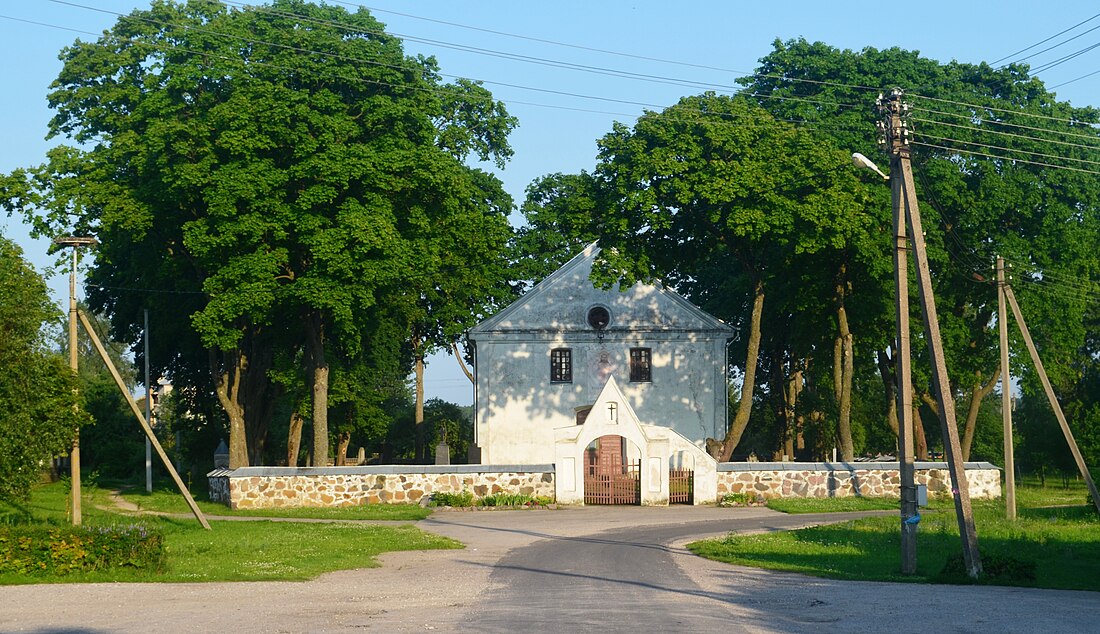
<point>1006,394</point>
<point>148,412</point>
<point>897,144</point>
<point>1077,457</point>
<point>910,514</point>
<point>74,454</point>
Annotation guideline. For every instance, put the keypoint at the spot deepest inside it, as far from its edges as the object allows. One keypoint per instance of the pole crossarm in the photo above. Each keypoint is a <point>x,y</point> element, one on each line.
<point>141,419</point>
<point>1066,431</point>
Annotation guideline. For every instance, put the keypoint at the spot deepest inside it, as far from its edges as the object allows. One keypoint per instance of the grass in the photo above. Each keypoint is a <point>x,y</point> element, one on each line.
<point>233,550</point>
<point>166,499</point>
<point>1047,546</point>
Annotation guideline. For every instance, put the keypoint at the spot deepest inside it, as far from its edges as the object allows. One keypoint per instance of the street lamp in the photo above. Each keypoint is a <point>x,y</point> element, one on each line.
<point>862,161</point>
<point>74,456</point>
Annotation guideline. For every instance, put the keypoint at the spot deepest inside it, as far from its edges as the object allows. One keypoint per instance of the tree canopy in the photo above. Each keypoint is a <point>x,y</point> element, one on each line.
<point>264,179</point>
<point>38,394</point>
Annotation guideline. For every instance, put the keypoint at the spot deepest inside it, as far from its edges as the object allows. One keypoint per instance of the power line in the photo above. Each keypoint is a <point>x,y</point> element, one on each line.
<point>1009,134</point>
<point>1020,113</point>
<point>1075,79</point>
<point>1040,43</point>
<point>1007,149</point>
<point>596,50</point>
<point>1004,158</point>
<point>971,117</point>
<point>1063,60</point>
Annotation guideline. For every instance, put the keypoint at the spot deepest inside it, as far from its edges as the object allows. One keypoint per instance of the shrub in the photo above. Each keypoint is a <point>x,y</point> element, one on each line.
<point>464,498</point>
<point>739,499</point>
<point>996,568</point>
<point>38,549</point>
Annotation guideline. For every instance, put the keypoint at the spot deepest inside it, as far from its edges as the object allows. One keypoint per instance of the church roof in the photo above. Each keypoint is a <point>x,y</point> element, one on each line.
<point>560,303</point>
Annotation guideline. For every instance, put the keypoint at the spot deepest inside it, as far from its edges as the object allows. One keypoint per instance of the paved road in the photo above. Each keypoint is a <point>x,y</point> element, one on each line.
<point>591,569</point>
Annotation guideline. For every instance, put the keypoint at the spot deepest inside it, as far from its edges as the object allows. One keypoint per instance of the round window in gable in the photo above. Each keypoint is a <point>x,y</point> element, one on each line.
<point>599,317</point>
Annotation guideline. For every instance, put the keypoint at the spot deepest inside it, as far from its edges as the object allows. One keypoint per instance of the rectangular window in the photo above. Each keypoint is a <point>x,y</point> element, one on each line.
<point>641,365</point>
<point>561,365</point>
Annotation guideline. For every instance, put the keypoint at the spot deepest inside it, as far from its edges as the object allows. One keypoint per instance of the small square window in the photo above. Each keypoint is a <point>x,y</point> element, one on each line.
<point>561,365</point>
<point>641,365</point>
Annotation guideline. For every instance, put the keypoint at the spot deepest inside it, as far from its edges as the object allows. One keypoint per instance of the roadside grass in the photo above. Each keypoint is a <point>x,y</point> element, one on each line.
<point>233,551</point>
<point>838,505</point>
<point>166,499</point>
<point>1047,546</point>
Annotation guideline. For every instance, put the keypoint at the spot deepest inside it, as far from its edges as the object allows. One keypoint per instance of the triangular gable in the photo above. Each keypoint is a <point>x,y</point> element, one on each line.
<point>653,306</point>
<point>600,423</point>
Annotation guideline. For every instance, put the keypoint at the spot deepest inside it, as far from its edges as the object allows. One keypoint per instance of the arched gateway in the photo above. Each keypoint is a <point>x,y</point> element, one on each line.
<point>612,425</point>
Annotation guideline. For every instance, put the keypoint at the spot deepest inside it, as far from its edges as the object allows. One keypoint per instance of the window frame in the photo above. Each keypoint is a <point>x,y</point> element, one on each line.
<point>641,365</point>
<point>561,365</point>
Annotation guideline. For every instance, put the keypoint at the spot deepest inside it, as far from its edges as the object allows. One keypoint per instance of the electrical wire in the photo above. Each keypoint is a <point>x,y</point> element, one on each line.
<point>1075,79</point>
<point>1040,43</point>
<point>1004,158</point>
<point>1095,136</point>
<point>1007,149</point>
<point>597,50</point>
<point>1020,113</point>
<point>1062,60</point>
<point>1009,134</point>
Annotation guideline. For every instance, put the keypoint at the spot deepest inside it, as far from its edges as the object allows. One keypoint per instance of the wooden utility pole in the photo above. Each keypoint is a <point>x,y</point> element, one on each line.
<point>1006,395</point>
<point>141,420</point>
<point>897,142</point>
<point>74,454</point>
<point>1051,397</point>
<point>903,370</point>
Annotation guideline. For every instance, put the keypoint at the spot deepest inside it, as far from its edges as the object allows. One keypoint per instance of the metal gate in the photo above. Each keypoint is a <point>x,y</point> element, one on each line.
<point>608,477</point>
<point>681,486</point>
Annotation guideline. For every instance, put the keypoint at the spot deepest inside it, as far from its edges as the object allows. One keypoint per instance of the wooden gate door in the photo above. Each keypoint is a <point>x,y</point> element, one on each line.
<point>608,477</point>
<point>681,486</point>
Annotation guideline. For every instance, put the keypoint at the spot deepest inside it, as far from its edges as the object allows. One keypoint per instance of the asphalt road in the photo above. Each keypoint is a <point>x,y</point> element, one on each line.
<point>575,570</point>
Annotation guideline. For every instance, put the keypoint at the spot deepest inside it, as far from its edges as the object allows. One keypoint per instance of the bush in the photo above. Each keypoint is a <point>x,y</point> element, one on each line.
<point>996,568</point>
<point>464,498</point>
<point>38,549</point>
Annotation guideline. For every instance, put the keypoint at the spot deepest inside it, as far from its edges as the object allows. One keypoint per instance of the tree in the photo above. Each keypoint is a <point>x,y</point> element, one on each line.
<point>981,205</point>
<point>38,391</point>
<point>265,175</point>
<point>715,192</point>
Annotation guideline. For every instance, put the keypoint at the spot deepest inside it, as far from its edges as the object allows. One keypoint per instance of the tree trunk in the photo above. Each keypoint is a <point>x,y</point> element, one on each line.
<point>294,438</point>
<point>843,367</point>
<point>227,386</point>
<point>342,442</point>
<point>418,406</point>
<point>724,450</point>
<point>791,394</point>
<point>461,362</point>
<point>921,443</point>
<point>315,342</point>
<point>889,386</point>
<point>978,394</point>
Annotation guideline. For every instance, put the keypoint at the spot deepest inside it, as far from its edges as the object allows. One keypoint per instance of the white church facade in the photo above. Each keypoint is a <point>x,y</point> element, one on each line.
<point>541,363</point>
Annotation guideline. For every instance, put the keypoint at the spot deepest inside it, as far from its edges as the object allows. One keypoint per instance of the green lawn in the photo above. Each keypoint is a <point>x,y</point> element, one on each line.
<point>233,550</point>
<point>1058,545</point>
<point>167,499</point>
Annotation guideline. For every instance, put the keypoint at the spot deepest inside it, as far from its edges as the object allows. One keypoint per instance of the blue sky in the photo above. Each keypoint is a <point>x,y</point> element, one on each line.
<point>558,132</point>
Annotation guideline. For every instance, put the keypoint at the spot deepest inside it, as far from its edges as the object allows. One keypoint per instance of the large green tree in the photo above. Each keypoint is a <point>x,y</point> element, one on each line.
<point>38,395</point>
<point>721,199</point>
<point>260,177</point>
<point>981,137</point>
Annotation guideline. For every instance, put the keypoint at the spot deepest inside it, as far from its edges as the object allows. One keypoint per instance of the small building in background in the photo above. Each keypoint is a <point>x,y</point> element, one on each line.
<point>541,363</point>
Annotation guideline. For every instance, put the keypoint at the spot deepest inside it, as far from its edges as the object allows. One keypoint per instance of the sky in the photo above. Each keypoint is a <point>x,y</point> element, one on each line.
<point>680,48</point>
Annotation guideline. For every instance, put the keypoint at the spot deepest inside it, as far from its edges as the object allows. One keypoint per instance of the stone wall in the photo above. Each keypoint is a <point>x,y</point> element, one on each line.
<point>281,487</point>
<point>870,479</point>
<point>274,487</point>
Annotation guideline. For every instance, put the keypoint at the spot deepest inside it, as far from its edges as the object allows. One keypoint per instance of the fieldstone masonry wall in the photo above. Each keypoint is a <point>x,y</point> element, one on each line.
<point>275,487</point>
<point>870,479</point>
